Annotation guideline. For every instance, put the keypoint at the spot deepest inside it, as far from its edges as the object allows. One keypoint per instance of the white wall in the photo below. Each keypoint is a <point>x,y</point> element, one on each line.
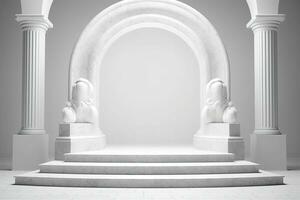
<point>69,18</point>
<point>10,75</point>
<point>149,90</point>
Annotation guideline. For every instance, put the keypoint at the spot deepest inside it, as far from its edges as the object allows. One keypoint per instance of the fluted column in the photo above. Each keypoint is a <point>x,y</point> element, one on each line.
<point>34,29</point>
<point>267,144</point>
<point>265,68</point>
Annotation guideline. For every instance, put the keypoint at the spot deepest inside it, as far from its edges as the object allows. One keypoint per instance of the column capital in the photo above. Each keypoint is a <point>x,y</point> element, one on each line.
<point>33,21</point>
<point>270,22</point>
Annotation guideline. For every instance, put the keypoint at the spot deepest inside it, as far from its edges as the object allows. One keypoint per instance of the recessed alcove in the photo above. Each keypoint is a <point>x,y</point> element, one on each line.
<point>149,89</point>
<point>157,59</point>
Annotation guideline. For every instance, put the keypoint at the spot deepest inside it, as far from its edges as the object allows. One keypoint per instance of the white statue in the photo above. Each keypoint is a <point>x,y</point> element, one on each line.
<point>218,108</point>
<point>81,108</point>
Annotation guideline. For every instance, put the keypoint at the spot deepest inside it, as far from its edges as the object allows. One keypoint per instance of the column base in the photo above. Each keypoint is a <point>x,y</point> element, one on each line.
<point>267,132</point>
<point>269,151</point>
<point>32,132</point>
<point>221,137</point>
<point>29,151</point>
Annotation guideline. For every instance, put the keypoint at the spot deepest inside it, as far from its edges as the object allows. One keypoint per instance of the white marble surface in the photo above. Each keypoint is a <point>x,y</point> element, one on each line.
<point>78,137</point>
<point>149,181</point>
<point>290,191</point>
<point>221,137</point>
<point>78,144</point>
<point>149,154</point>
<point>149,168</point>
<point>78,129</point>
<point>222,130</point>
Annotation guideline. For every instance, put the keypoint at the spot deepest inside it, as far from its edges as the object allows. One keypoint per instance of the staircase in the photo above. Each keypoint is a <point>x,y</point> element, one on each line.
<point>149,168</point>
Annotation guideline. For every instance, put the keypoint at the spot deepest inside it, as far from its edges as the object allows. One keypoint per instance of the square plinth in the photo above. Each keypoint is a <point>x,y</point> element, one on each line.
<point>221,129</point>
<point>29,151</point>
<point>78,129</point>
<point>233,145</point>
<point>269,151</point>
<point>78,137</point>
<point>221,137</point>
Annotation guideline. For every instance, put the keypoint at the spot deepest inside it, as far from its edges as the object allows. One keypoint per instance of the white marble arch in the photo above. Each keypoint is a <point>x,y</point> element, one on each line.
<point>125,16</point>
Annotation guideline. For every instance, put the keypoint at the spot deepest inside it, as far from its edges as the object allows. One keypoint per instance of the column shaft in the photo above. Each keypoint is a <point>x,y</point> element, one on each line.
<point>266,76</point>
<point>33,80</point>
<point>266,97</point>
<point>33,73</point>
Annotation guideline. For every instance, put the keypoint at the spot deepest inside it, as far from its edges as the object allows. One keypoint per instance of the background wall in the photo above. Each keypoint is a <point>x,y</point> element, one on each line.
<point>149,90</point>
<point>70,17</point>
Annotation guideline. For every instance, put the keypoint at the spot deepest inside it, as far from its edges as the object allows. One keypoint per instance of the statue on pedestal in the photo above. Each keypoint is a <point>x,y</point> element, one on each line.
<point>218,108</point>
<point>81,108</point>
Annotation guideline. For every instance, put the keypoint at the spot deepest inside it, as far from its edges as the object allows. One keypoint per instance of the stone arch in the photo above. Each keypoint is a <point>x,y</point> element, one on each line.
<point>125,16</point>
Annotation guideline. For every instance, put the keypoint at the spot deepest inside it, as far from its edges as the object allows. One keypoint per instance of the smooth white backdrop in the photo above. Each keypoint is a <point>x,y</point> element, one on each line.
<point>149,89</point>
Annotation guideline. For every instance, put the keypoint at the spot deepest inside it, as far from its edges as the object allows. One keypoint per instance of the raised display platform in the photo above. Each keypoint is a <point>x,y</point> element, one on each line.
<point>149,167</point>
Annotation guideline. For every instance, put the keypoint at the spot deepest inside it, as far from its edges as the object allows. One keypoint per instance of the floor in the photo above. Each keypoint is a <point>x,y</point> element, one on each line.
<point>290,191</point>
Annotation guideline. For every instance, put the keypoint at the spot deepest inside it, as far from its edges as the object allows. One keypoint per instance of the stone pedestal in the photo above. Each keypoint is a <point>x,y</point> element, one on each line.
<point>78,137</point>
<point>221,137</point>
<point>269,151</point>
<point>29,151</point>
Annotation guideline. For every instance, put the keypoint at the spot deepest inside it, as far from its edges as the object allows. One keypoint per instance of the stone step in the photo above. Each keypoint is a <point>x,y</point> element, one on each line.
<point>149,157</point>
<point>149,181</point>
<point>149,168</point>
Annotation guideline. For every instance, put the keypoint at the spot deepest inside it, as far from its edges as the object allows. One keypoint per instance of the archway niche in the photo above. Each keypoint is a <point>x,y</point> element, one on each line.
<point>175,19</point>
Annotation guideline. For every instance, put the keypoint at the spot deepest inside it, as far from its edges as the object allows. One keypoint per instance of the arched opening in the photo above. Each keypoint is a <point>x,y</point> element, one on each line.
<point>149,89</point>
<point>192,31</point>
